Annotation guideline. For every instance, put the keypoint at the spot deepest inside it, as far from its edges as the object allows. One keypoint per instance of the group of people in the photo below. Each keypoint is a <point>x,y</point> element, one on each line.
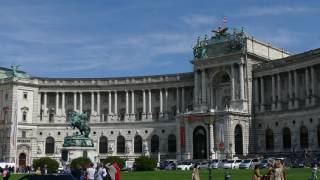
<point>275,172</point>
<point>6,172</point>
<point>100,172</point>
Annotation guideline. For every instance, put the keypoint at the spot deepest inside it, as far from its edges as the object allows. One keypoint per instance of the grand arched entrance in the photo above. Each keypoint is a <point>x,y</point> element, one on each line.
<point>238,140</point>
<point>199,143</point>
<point>22,160</point>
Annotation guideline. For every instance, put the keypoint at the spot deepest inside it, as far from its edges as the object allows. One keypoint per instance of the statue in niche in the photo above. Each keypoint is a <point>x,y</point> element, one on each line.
<point>128,147</point>
<point>111,148</point>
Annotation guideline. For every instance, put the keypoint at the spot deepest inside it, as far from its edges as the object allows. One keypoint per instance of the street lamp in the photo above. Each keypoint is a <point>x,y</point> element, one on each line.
<point>209,121</point>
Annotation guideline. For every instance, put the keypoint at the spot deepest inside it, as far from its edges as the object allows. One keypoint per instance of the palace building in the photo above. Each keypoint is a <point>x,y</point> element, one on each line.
<point>243,97</point>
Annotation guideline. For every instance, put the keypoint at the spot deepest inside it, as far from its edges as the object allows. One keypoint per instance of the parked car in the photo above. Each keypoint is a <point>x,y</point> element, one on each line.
<point>168,165</point>
<point>263,164</point>
<point>229,164</point>
<point>255,162</point>
<point>203,165</point>
<point>246,164</point>
<point>215,164</point>
<point>237,163</point>
<point>221,165</point>
<point>185,166</point>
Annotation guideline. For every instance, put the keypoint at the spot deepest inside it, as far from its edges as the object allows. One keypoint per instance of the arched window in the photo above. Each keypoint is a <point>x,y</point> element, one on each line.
<point>286,138</point>
<point>103,144</point>
<point>304,143</point>
<point>49,145</point>
<point>155,144</point>
<point>172,148</point>
<point>120,144</point>
<point>269,139</point>
<point>137,144</point>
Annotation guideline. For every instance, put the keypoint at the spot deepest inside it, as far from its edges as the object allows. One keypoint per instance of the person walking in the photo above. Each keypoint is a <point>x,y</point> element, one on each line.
<point>314,172</point>
<point>278,171</point>
<point>256,173</point>
<point>5,173</point>
<point>195,173</point>
<point>99,172</point>
<point>90,172</point>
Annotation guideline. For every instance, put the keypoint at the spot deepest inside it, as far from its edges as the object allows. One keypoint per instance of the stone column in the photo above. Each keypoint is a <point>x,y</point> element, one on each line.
<point>39,103</point>
<point>307,86</point>
<point>233,90</point>
<point>256,94</point>
<point>80,102</point>
<point>279,92</point>
<point>296,103</point>
<point>74,101</point>
<point>63,103</point>
<point>203,87</point>
<point>273,93</point>
<point>57,103</point>
<point>241,81</point>
<point>262,94</point>
<point>166,100</point>
<point>98,103</point>
<point>92,103</point>
<point>211,141</point>
<point>115,102</point>
<point>127,102</point>
<point>183,108</point>
<point>150,105</point>
<point>144,101</point>
<point>109,102</point>
<point>290,89</point>
<point>177,100</point>
<point>132,103</point>
<point>313,87</point>
<point>161,102</point>
<point>45,103</point>
<point>196,88</point>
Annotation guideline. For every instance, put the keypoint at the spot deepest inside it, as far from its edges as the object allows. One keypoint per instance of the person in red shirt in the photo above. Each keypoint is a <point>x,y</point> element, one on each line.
<point>117,167</point>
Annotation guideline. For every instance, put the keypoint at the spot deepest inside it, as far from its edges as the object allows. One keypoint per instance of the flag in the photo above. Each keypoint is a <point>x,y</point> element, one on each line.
<point>182,137</point>
<point>116,166</point>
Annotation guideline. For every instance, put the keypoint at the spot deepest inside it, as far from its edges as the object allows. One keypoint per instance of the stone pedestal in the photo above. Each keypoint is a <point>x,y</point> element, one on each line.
<point>75,152</point>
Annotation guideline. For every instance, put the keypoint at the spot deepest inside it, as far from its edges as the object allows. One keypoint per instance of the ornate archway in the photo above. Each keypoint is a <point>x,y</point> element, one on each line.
<point>199,143</point>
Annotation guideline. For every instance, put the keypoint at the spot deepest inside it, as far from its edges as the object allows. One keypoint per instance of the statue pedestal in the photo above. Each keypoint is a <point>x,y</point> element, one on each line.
<point>70,153</point>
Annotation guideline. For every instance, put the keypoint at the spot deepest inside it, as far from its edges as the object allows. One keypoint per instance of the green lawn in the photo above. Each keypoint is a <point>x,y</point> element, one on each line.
<point>293,174</point>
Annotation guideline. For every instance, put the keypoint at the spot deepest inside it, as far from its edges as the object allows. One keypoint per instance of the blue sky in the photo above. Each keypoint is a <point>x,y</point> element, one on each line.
<point>106,38</point>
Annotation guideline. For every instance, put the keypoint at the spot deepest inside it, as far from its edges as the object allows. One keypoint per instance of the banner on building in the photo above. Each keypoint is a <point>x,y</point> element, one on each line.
<point>182,137</point>
<point>193,117</point>
<point>220,135</point>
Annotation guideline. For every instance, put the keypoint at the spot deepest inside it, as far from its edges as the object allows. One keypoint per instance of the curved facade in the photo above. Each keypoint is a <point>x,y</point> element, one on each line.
<point>243,97</point>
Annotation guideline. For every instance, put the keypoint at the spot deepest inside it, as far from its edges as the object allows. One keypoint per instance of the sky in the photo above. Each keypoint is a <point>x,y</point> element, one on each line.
<point>117,38</point>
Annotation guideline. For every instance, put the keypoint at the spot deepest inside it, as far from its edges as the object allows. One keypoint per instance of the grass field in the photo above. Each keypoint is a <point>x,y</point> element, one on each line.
<point>293,174</point>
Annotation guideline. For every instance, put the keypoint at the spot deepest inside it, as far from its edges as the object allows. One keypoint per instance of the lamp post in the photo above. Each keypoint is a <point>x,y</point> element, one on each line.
<point>209,121</point>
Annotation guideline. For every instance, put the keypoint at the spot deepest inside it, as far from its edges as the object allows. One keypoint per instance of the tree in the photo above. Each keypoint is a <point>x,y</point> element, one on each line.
<point>144,163</point>
<point>82,162</point>
<point>52,164</point>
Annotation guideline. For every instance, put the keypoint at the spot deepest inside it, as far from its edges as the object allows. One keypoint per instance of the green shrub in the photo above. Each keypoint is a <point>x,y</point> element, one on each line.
<point>144,163</point>
<point>52,164</point>
<point>111,159</point>
<point>82,162</point>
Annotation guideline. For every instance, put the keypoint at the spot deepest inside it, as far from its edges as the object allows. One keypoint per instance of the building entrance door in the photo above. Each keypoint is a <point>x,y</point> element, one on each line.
<point>199,143</point>
<point>238,140</point>
<point>22,160</point>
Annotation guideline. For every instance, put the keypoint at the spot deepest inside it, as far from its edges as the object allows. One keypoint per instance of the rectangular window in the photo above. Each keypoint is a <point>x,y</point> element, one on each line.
<point>23,134</point>
<point>24,116</point>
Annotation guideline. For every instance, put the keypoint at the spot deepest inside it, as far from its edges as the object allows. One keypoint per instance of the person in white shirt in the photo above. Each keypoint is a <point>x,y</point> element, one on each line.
<point>90,172</point>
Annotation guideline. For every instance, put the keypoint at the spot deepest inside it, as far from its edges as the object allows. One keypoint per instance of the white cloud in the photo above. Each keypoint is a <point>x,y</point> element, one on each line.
<point>196,20</point>
<point>273,10</point>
